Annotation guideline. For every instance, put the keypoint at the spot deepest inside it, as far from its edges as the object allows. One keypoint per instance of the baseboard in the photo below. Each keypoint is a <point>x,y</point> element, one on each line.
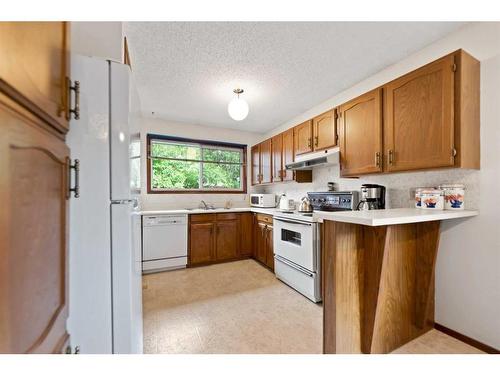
<point>479,345</point>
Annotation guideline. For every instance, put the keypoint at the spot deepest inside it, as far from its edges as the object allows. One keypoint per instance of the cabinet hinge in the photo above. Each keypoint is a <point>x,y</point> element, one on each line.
<point>454,67</point>
<point>453,152</point>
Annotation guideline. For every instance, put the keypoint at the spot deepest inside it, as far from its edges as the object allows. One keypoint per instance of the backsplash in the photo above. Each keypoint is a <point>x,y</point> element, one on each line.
<point>153,202</point>
<point>400,186</point>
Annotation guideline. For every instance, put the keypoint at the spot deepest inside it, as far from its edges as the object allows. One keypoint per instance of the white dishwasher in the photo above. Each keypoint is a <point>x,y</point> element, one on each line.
<point>164,244</point>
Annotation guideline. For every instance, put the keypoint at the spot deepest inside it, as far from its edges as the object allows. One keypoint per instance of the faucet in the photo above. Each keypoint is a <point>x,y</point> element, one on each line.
<point>206,206</point>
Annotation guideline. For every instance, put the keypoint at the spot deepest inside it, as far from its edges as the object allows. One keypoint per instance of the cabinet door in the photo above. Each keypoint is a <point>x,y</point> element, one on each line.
<point>418,123</point>
<point>324,131</point>
<point>227,240</point>
<point>260,242</point>
<point>201,243</point>
<point>269,247</point>
<point>277,157</point>
<point>34,66</point>
<point>255,155</point>
<point>246,234</point>
<point>265,162</point>
<point>33,229</point>
<point>361,135</point>
<point>287,154</point>
<point>303,138</point>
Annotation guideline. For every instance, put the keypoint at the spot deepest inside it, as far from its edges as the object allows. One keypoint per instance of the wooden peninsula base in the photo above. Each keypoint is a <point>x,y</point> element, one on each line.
<point>378,284</point>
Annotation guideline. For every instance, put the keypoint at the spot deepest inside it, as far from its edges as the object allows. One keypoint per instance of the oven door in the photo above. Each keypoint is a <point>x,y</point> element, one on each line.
<point>294,241</point>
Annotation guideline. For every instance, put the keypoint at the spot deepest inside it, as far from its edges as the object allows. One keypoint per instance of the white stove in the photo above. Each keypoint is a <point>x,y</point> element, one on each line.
<point>296,215</point>
<point>296,241</point>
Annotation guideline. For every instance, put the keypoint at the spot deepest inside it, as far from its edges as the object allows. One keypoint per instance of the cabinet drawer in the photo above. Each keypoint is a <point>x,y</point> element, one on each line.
<point>201,218</point>
<point>231,216</point>
<point>268,219</point>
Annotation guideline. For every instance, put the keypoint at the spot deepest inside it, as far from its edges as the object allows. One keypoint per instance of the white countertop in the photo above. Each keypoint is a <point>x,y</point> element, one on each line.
<point>392,216</point>
<point>268,211</point>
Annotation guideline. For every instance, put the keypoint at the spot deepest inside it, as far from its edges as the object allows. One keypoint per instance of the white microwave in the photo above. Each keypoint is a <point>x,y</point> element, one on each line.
<point>263,200</point>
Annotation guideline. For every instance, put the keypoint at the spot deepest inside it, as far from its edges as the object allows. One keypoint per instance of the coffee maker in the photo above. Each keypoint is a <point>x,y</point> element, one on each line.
<point>372,197</point>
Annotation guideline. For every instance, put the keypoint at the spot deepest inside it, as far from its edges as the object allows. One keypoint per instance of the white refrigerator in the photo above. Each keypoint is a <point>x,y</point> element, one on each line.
<point>105,288</point>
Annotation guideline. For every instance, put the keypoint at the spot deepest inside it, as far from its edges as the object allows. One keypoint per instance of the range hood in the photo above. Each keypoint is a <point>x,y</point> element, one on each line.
<point>315,159</point>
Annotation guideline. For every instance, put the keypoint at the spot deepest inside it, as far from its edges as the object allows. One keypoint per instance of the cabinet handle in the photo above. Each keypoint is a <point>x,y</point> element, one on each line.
<point>316,141</point>
<point>377,159</point>
<point>75,189</point>
<point>76,89</point>
<point>391,157</point>
<point>309,142</point>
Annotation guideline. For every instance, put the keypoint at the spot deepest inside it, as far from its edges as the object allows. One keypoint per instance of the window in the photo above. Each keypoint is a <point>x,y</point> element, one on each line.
<point>184,165</point>
<point>135,163</point>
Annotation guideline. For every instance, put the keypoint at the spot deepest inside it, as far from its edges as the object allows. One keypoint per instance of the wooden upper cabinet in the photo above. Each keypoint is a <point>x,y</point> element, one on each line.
<point>324,131</point>
<point>361,134</point>
<point>33,229</point>
<point>265,162</point>
<point>418,121</point>
<point>287,154</point>
<point>277,157</point>
<point>34,66</point>
<point>303,138</point>
<point>467,108</point>
<point>255,156</point>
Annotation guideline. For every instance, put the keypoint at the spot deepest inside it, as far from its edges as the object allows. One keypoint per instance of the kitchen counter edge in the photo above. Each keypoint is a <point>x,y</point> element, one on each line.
<point>267,211</point>
<point>392,216</point>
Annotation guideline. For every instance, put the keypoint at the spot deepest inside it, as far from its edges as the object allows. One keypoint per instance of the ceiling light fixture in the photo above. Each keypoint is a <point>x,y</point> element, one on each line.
<point>238,108</point>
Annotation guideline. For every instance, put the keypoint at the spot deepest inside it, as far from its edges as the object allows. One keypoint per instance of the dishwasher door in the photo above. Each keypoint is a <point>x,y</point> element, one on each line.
<point>165,240</point>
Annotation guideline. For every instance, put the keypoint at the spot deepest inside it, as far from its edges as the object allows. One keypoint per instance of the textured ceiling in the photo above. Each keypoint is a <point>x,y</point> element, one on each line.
<point>186,71</point>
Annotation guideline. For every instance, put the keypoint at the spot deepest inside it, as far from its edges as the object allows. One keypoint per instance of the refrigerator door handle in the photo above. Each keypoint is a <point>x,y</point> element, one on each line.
<point>134,202</point>
<point>76,188</point>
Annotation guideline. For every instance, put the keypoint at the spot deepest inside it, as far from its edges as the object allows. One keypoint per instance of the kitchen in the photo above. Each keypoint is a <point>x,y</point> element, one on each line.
<point>354,217</point>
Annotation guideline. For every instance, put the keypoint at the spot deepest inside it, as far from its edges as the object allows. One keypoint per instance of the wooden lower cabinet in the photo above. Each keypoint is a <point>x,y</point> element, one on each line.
<point>269,248</point>
<point>227,239</point>
<point>223,237</point>
<point>201,242</point>
<point>263,235</point>
<point>260,242</point>
<point>246,235</point>
<point>219,237</point>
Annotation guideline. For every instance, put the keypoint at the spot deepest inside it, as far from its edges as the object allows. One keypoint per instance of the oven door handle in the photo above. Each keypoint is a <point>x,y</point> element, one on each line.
<point>294,266</point>
<point>293,221</point>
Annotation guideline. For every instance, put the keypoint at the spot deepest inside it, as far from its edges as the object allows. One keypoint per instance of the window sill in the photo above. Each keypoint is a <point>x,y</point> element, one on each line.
<point>150,191</point>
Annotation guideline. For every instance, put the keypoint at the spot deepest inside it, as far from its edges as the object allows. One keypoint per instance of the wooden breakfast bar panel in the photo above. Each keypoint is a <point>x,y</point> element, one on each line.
<point>378,285</point>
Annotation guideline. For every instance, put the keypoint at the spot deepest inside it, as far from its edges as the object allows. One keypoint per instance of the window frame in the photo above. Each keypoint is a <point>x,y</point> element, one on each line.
<point>136,138</point>
<point>215,144</point>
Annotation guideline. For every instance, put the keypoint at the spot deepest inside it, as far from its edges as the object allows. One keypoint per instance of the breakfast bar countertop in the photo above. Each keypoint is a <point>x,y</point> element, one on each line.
<point>392,216</point>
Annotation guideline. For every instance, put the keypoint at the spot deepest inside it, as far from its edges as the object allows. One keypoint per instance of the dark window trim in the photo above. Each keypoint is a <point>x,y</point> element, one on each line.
<point>150,137</point>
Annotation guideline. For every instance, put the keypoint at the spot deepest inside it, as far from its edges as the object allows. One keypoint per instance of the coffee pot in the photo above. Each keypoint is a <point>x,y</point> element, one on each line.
<point>372,197</point>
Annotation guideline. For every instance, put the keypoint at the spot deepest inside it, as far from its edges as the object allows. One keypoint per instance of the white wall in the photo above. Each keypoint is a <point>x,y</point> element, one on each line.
<point>98,39</point>
<point>173,201</point>
<point>468,266</point>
